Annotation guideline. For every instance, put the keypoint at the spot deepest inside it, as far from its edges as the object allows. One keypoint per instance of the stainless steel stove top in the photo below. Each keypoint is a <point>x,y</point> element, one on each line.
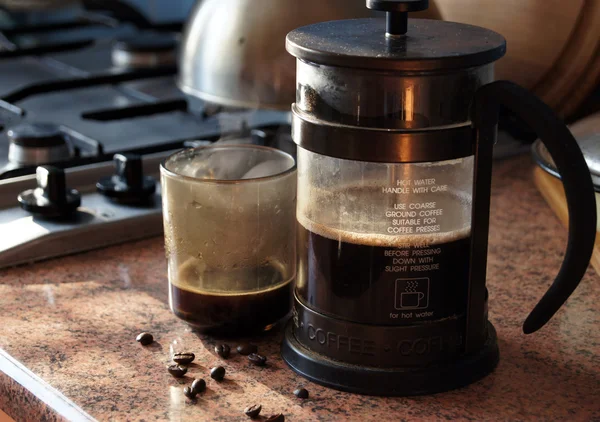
<point>79,86</point>
<point>69,99</point>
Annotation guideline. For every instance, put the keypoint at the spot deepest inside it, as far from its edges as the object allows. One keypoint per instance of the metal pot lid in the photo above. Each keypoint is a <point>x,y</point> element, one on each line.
<point>396,43</point>
<point>587,134</point>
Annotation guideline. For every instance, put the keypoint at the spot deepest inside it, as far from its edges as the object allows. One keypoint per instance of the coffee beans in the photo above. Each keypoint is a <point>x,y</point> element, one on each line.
<point>183,358</point>
<point>144,338</point>
<point>301,393</point>
<point>176,370</point>
<point>217,373</point>
<point>275,418</point>
<point>253,411</point>
<point>258,360</point>
<point>246,348</point>
<point>199,385</point>
<point>223,350</point>
<point>189,393</point>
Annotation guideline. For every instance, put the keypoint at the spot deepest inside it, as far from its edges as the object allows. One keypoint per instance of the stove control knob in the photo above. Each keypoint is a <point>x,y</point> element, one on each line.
<point>128,184</point>
<point>51,198</point>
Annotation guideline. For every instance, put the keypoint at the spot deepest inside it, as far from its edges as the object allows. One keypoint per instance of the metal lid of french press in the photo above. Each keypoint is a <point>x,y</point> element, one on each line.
<point>396,43</point>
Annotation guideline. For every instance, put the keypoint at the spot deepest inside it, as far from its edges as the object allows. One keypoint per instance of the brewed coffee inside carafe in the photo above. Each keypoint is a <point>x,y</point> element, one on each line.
<point>383,243</point>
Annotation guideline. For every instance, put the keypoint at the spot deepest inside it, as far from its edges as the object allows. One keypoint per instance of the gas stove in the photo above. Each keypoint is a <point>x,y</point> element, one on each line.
<point>92,98</point>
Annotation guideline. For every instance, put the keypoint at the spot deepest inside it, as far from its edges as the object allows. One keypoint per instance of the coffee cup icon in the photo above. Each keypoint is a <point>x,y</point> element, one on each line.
<point>411,293</point>
<point>411,299</point>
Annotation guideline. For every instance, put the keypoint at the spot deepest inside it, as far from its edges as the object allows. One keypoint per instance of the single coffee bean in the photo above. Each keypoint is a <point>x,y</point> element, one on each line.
<point>247,348</point>
<point>184,358</point>
<point>301,393</point>
<point>176,370</point>
<point>258,360</point>
<point>223,350</point>
<point>199,385</point>
<point>144,338</point>
<point>217,373</point>
<point>253,411</point>
<point>189,393</point>
<point>275,418</point>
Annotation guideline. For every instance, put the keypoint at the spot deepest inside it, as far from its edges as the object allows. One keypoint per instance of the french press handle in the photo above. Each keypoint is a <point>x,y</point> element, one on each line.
<point>579,192</point>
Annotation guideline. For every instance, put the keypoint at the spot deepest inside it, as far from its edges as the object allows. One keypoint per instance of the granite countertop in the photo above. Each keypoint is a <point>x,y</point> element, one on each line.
<point>68,328</point>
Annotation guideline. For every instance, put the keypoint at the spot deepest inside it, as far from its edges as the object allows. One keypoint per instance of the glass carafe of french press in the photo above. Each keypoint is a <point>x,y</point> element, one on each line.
<point>395,122</point>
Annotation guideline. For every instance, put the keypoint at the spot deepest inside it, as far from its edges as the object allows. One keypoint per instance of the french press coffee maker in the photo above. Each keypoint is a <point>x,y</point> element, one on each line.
<point>395,122</point>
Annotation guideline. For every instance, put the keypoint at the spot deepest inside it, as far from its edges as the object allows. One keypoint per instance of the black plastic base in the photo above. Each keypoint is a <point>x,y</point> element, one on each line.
<point>390,381</point>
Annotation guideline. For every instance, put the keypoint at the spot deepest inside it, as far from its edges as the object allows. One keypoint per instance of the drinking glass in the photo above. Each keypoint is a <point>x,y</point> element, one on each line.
<point>230,220</point>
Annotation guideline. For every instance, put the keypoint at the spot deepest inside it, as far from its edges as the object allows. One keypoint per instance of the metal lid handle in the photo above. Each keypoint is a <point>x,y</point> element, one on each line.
<point>397,13</point>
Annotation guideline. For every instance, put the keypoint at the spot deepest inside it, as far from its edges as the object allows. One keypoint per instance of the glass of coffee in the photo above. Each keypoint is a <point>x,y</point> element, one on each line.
<point>229,219</point>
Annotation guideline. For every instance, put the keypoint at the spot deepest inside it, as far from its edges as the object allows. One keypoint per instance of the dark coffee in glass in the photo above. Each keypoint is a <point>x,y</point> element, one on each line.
<point>229,217</point>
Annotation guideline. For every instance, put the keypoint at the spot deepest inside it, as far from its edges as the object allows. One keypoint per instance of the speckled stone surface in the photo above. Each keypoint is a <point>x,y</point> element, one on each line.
<point>73,322</point>
<point>24,405</point>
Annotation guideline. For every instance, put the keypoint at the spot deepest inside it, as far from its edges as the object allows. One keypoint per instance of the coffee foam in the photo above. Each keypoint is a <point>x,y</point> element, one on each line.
<point>383,240</point>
